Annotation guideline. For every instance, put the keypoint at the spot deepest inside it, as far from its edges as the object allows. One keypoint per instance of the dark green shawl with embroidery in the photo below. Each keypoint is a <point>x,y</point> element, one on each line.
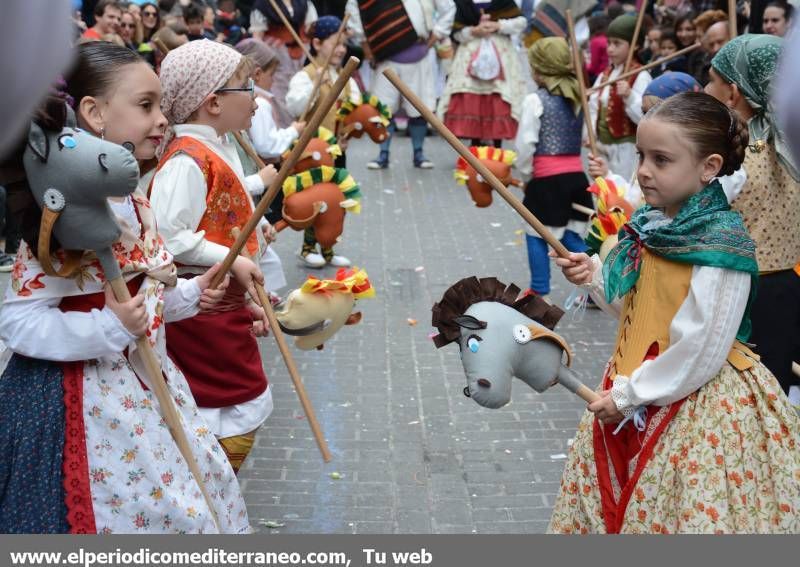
<point>704,233</point>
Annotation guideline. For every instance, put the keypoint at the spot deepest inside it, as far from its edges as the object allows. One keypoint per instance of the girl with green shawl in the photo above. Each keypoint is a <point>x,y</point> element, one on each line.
<point>548,144</point>
<point>742,75</point>
<point>690,425</point>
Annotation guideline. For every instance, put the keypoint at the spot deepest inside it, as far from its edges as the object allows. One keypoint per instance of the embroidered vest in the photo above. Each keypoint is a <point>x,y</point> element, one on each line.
<point>770,206</point>
<point>647,313</point>
<point>227,203</point>
<point>617,122</point>
<point>560,132</point>
<point>329,121</point>
<point>387,27</point>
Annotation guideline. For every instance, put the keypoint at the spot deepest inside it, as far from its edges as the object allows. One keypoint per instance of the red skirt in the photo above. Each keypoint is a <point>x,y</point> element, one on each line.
<point>218,354</point>
<point>480,116</point>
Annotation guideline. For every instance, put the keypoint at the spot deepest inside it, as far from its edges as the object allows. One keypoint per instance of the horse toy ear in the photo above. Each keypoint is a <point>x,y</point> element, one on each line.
<point>469,322</point>
<point>38,142</point>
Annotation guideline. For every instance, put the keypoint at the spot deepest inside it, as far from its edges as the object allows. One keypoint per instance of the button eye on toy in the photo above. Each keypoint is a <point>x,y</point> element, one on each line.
<point>473,344</point>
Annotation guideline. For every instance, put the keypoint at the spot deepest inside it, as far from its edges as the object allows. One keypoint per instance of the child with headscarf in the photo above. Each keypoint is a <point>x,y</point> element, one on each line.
<point>548,148</point>
<point>200,195</point>
<point>616,109</point>
<point>741,77</point>
<point>301,93</point>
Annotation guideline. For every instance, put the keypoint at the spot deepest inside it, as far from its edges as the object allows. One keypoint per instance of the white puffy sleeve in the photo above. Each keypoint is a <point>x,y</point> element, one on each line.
<point>528,132</point>
<point>633,102</point>
<point>701,336</point>
<point>178,202</point>
<point>269,140</point>
<point>445,15</point>
<point>300,87</point>
<point>354,23</point>
<point>37,328</point>
<point>182,301</point>
<point>512,26</point>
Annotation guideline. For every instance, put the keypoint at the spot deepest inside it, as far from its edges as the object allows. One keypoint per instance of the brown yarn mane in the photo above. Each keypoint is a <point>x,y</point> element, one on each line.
<point>464,293</point>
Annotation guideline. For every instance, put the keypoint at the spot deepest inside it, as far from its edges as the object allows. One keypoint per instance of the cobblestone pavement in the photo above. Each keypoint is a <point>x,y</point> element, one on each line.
<point>413,455</point>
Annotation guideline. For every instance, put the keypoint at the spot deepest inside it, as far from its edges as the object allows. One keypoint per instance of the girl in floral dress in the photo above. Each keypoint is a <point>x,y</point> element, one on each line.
<point>84,447</point>
<point>692,434</point>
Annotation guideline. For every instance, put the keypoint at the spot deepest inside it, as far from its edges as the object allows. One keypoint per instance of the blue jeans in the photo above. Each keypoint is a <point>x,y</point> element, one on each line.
<point>539,262</point>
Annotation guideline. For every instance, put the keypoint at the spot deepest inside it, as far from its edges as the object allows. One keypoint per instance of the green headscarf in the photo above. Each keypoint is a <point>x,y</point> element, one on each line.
<point>750,61</point>
<point>551,59</point>
<point>704,233</point>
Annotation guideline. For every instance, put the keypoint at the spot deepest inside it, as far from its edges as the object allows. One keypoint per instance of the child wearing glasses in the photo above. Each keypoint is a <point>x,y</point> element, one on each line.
<point>200,195</point>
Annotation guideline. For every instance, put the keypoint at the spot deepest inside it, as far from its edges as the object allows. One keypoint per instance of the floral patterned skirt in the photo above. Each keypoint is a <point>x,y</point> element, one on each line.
<point>723,460</point>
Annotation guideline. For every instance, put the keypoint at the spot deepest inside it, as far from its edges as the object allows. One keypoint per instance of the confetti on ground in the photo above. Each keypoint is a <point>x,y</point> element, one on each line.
<point>272,524</point>
<point>419,269</point>
<point>558,456</point>
<point>570,442</point>
<point>413,422</point>
<point>389,191</point>
<point>519,232</point>
<point>495,224</point>
<point>508,451</point>
<point>336,476</point>
<point>411,322</point>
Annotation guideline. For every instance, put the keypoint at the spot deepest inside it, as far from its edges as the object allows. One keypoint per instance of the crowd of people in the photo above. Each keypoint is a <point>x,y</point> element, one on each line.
<point>694,430</point>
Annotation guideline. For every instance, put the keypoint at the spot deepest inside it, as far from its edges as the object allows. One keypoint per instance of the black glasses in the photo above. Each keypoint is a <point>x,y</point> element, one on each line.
<point>250,88</point>
<point>147,14</point>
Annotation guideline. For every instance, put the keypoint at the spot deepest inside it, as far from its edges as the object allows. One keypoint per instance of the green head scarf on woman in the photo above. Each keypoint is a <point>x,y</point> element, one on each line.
<point>551,60</point>
<point>749,62</point>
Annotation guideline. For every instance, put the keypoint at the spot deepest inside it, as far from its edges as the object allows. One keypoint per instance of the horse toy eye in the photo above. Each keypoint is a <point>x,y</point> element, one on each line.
<point>522,334</point>
<point>473,344</point>
<point>66,141</point>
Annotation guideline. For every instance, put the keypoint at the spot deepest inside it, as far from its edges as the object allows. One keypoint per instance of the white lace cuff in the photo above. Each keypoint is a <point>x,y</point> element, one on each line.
<point>620,396</point>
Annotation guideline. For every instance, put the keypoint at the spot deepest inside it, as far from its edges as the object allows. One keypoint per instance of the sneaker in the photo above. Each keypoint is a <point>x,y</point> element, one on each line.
<point>421,162</point>
<point>6,262</point>
<point>381,163</point>
<point>313,260</point>
<point>339,262</point>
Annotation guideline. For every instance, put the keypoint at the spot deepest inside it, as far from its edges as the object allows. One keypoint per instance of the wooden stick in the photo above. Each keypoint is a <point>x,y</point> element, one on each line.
<point>161,46</point>
<point>321,73</point>
<point>650,65</point>
<point>165,401</point>
<point>734,31</point>
<point>487,175</point>
<point>582,209</point>
<point>286,167</point>
<point>288,359</point>
<point>636,30</point>
<point>578,68</point>
<point>296,37</point>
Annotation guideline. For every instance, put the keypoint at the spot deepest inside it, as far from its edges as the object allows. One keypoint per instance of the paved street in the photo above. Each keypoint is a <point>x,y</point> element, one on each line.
<point>413,455</point>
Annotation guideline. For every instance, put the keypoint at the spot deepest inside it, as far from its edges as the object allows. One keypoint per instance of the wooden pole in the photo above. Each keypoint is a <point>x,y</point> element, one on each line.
<point>487,175</point>
<point>650,65</point>
<point>582,209</point>
<point>288,359</point>
<point>578,68</point>
<point>296,37</point>
<point>734,31</point>
<point>636,30</point>
<point>286,167</point>
<point>165,401</point>
<point>322,73</point>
